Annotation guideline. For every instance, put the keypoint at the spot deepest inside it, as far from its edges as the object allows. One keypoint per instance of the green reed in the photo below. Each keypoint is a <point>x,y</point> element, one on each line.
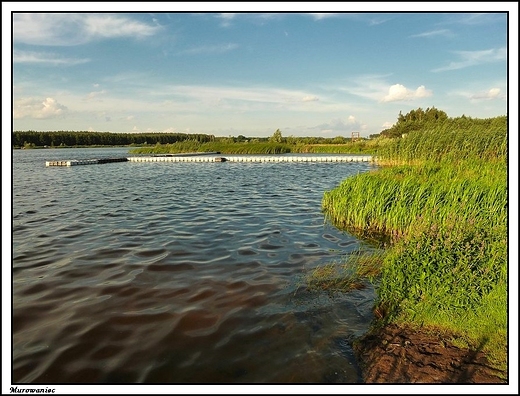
<point>357,147</point>
<point>452,139</point>
<point>351,274</point>
<point>445,210</point>
<point>391,199</point>
<point>189,146</point>
<point>192,146</point>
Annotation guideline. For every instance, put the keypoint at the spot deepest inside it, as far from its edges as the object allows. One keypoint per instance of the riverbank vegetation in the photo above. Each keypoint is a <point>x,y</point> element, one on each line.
<point>276,144</point>
<point>443,207</point>
<point>175,143</point>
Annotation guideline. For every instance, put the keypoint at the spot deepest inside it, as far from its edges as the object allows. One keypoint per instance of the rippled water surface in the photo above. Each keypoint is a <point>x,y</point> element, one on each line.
<point>177,272</point>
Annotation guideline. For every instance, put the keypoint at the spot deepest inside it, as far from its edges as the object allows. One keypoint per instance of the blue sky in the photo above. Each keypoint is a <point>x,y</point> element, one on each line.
<point>307,74</point>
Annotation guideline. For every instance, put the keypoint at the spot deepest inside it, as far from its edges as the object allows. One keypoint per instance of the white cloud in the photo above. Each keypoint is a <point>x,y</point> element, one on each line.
<point>226,18</point>
<point>75,29</point>
<point>378,20</point>
<point>257,18</point>
<point>95,94</point>
<point>434,33</point>
<point>116,26</point>
<point>493,93</point>
<point>367,86</point>
<point>45,58</point>
<point>322,15</point>
<point>472,58</point>
<point>34,108</point>
<point>474,18</point>
<point>210,49</point>
<point>338,126</point>
<point>310,98</point>
<point>231,96</point>
<point>398,92</point>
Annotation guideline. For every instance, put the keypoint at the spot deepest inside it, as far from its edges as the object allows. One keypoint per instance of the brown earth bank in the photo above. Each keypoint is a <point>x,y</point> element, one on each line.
<point>394,354</point>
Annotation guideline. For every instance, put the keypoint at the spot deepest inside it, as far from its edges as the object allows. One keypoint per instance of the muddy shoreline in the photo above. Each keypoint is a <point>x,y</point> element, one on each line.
<point>398,355</point>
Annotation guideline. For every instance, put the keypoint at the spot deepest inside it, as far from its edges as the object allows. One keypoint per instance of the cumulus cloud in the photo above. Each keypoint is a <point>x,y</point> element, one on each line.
<point>493,93</point>
<point>34,108</point>
<point>472,58</point>
<point>45,58</point>
<point>75,29</point>
<point>398,92</point>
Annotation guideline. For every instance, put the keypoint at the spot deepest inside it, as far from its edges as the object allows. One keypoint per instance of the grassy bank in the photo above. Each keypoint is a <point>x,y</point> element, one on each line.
<point>192,146</point>
<point>444,208</point>
<point>187,146</point>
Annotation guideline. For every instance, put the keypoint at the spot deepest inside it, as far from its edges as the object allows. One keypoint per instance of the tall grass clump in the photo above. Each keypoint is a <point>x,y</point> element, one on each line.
<point>452,139</point>
<point>371,146</point>
<point>390,200</point>
<point>445,210</point>
<point>352,273</point>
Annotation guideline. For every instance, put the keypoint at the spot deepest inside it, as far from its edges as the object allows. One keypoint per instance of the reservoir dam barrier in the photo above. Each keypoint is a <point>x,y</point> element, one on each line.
<point>212,157</point>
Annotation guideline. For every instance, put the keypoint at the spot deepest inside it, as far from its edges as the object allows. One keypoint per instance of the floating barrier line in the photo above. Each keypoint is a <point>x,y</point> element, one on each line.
<point>85,162</point>
<point>210,157</point>
<point>187,154</point>
<point>255,158</point>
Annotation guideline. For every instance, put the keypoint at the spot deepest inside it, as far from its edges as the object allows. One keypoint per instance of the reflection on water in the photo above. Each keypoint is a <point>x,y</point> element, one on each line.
<point>177,272</point>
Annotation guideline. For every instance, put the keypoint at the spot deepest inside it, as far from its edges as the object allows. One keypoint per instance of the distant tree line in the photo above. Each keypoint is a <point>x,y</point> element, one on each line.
<point>84,138</point>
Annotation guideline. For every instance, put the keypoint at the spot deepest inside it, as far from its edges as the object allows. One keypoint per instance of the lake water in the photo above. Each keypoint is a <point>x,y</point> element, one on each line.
<point>178,272</point>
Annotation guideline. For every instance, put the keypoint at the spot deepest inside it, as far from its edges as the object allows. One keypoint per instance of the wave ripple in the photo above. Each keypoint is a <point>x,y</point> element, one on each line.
<point>177,273</point>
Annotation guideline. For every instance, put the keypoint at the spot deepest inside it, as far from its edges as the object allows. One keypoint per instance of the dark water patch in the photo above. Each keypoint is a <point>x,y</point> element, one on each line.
<point>151,253</point>
<point>311,245</point>
<point>246,251</point>
<point>172,267</point>
<point>268,246</point>
<point>36,289</point>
